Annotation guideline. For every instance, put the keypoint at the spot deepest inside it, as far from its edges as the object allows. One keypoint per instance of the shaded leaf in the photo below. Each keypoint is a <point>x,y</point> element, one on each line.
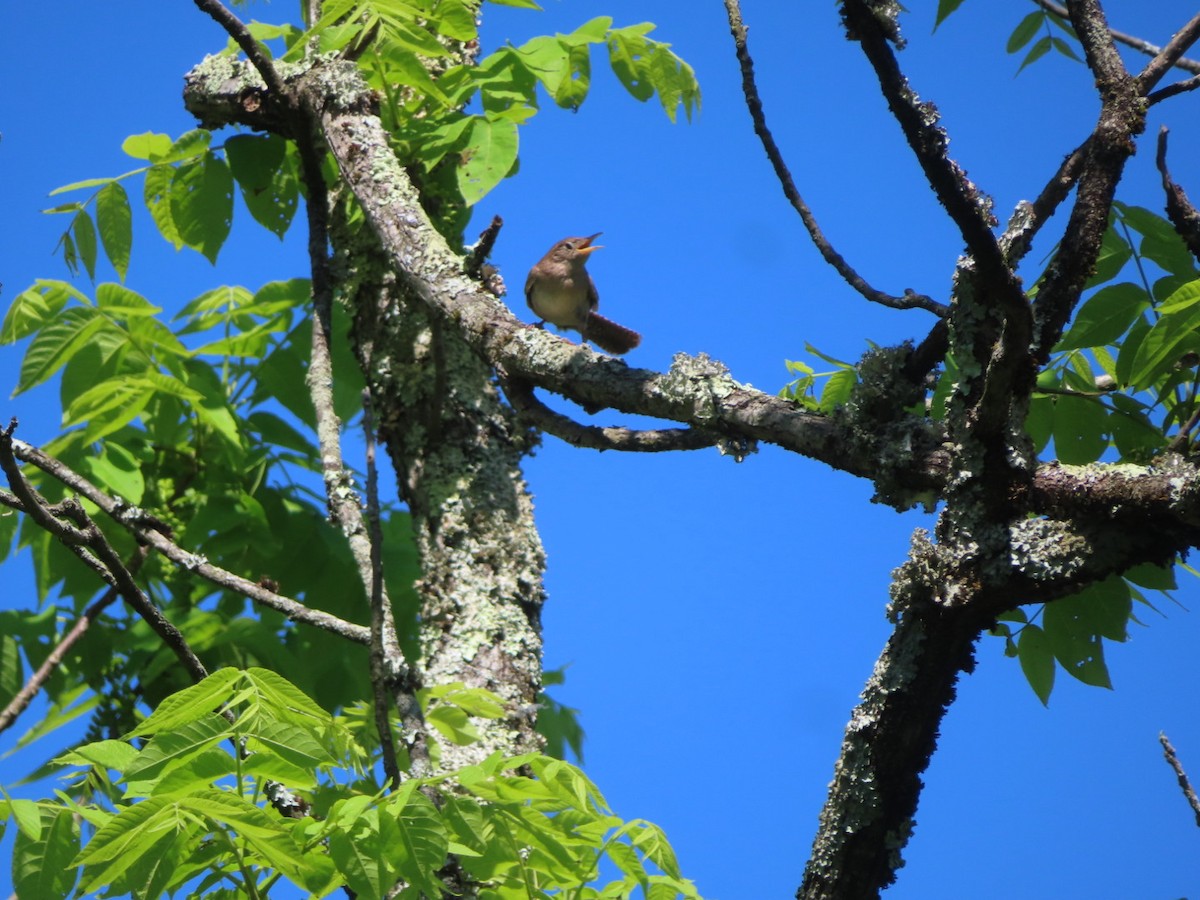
<point>115,221</point>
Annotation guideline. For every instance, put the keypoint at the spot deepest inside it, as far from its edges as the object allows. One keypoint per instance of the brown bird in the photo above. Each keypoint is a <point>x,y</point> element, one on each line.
<point>560,291</point>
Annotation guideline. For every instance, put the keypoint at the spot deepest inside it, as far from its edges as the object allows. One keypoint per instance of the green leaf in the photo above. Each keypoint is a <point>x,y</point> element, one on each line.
<point>265,833</point>
<point>201,198</point>
<point>675,82</point>
<point>1105,317</point>
<point>57,342</point>
<point>76,186</point>
<point>945,8</point>
<point>1133,433</point>
<point>146,145</point>
<point>41,866</point>
<point>168,750</point>
<point>108,754</point>
<point>1148,575</point>
<point>1115,252</point>
<point>284,700</point>
<point>190,704</point>
<point>1039,424</point>
<point>520,4</point>
<point>1065,49</point>
<point>84,233</point>
<point>364,853</point>
<point>453,724</point>
<point>490,155</point>
<point>1072,626</point>
<point>156,193</point>
<point>125,840</point>
<point>424,841</point>
<point>1036,52</point>
<point>254,159</point>
<point>28,816</point>
<point>456,20</point>
<point>1037,661</point>
<point>1183,298</point>
<point>838,389</point>
<point>262,168</point>
<point>120,302</point>
<point>295,744</point>
<point>1167,341</point>
<point>547,59</point>
<point>189,145</point>
<point>115,220</point>
<point>117,471</point>
<point>1024,31</point>
<point>35,307</point>
<point>628,54</point>
<point>1080,430</point>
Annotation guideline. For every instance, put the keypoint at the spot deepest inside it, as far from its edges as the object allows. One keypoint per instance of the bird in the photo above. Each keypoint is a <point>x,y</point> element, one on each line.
<point>560,291</point>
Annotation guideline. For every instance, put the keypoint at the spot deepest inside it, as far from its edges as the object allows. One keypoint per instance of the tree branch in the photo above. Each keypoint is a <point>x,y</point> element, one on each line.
<point>1180,211</point>
<point>237,30</point>
<point>145,528</point>
<point>969,209</point>
<point>910,299</point>
<point>1137,43</point>
<point>1185,785</point>
<point>1170,55</point>
<point>33,684</point>
<point>102,558</point>
<point>520,395</point>
<point>1122,118</point>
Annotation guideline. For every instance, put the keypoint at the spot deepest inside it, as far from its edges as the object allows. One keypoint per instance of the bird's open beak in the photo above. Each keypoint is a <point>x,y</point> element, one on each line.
<point>587,246</point>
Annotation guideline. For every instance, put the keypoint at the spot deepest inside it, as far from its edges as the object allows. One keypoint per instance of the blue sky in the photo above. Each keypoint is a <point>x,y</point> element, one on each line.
<point>719,619</point>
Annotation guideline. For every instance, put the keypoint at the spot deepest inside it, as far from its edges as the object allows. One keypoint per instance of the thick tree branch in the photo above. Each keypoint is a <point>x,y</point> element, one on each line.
<point>910,299</point>
<point>1122,118</point>
<point>695,391</point>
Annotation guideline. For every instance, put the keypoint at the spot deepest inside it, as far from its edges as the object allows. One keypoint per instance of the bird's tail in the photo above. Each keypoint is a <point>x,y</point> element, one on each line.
<point>608,335</point>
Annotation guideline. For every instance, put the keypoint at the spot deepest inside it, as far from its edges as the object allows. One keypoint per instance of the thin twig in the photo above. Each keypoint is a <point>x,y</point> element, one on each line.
<point>29,690</point>
<point>1173,90</point>
<point>1184,784</point>
<point>237,30</point>
<point>383,626</point>
<point>1170,55</point>
<point>531,409</point>
<point>483,248</point>
<point>910,299</point>
<point>144,527</point>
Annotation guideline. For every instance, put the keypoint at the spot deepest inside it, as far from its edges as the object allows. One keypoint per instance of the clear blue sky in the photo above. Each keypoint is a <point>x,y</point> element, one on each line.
<point>720,619</point>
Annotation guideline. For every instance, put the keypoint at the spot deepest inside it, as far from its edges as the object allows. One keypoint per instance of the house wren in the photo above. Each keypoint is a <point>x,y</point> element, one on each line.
<point>560,291</point>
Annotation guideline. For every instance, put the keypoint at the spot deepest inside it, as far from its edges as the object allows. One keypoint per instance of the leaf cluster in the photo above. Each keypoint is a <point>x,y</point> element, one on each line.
<point>465,115</point>
<point>183,801</point>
